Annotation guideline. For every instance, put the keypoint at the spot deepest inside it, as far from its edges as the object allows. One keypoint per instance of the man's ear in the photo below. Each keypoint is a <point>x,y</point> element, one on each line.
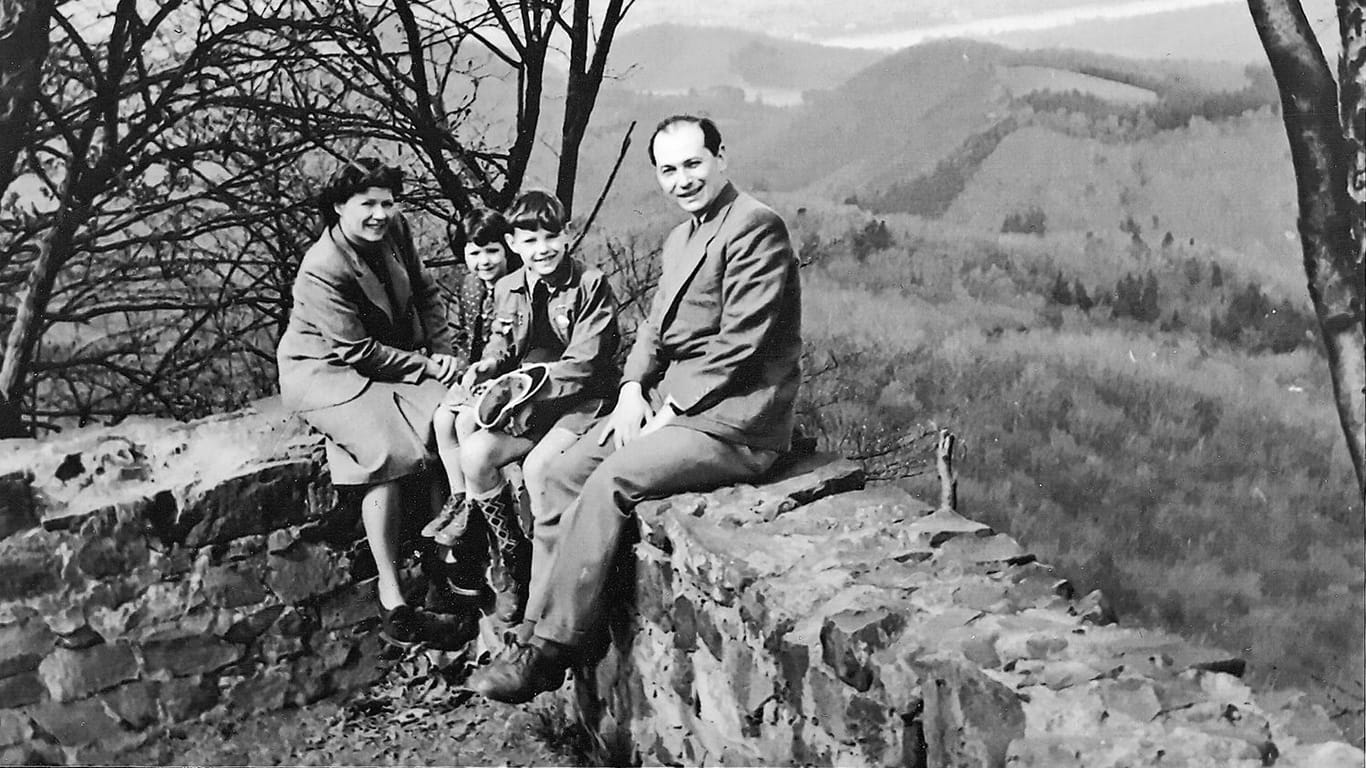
<point>721,157</point>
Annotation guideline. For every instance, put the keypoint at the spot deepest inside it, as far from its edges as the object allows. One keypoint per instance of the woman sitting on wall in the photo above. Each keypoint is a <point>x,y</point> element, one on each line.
<point>366,361</point>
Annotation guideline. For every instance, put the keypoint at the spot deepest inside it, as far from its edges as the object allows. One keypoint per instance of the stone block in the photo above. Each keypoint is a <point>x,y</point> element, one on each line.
<point>29,564</point>
<point>190,655</point>
<point>262,691</point>
<point>77,723</point>
<point>970,719</point>
<point>187,697</point>
<point>135,704</point>
<point>22,645</point>
<point>15,727</point>
<point>848,640</point>
<point>350,605</point>
<point>253,625</point>
<point>258,498</point>
<point>22,689</point>
<point>1133,698</point>
<point>306,571</point>
<point>71,675</point>
<point>18,511</point>
<point>233,585</point>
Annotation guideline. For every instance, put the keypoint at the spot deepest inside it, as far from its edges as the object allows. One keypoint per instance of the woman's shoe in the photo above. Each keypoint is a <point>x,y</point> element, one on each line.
<point>401,626</point>
<point>444,517</point>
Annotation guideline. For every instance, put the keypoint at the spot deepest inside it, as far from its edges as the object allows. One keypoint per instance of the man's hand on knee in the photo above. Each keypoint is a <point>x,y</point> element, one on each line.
<point>662,418</point>
<point>625,422</point>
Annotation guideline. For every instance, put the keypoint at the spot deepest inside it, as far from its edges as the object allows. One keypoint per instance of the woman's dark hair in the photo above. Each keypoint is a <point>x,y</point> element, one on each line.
<point>354,178</point>
<point>484,226</point>
<point>537,209</point>
<point>711,135</point>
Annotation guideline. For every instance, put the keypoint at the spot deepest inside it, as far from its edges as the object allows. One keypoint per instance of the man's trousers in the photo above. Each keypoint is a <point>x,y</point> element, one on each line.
<point>598,489</point>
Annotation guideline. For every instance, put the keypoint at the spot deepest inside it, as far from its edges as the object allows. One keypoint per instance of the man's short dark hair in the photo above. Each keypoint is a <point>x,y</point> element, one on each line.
<point>711,135</point>
<point>537,209</point>
<point>354,178</point>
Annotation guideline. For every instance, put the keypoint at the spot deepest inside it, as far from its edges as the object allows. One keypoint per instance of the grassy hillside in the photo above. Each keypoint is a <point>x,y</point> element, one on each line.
<point>1199,480</point>
<point>671,58</point>
<point>1229,184</point>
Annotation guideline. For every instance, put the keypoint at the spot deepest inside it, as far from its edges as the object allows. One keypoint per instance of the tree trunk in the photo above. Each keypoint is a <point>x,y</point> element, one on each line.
<point>1323,150</point>
<point>24,37</point>
<point>53,249</point>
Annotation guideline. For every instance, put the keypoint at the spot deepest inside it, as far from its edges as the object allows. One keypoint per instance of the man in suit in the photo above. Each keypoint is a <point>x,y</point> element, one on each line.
<point>706,398</point>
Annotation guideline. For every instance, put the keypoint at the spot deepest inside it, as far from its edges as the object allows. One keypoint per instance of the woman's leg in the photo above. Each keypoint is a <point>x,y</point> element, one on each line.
<point>380,508</point>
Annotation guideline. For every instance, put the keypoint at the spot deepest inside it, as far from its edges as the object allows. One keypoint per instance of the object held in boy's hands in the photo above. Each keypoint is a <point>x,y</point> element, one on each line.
<point>505,403</point>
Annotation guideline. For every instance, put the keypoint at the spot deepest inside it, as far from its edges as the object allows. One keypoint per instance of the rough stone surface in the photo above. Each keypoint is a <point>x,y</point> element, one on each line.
<point>15,727</point>
<point>857,627</point>
<point>174,574</point>
<point>77,723</point>
<point>17,510</point>
<point>187,656</point>
<point>71,675</point>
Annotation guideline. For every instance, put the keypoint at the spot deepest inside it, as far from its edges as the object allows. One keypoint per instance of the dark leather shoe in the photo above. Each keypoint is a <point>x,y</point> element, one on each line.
<point>401,626</point>
<point>448,631</point>
<point>528,671</point>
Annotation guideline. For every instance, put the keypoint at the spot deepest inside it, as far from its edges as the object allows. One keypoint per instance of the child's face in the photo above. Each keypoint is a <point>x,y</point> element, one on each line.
<point>542,251</point>
<point>486,262</point>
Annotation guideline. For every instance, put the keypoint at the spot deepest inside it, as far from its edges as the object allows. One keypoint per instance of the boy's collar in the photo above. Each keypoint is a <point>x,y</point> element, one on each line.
<point>555,281</point>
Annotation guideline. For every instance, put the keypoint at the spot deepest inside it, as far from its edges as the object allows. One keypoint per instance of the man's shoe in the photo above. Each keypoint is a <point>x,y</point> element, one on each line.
<point>401,626</point>
<point>443,518</point>
<point>528,671</point>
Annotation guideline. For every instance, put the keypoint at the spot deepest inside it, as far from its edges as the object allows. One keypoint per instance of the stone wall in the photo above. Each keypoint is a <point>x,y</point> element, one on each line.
<point>813,621</point>
<point>156,572</point>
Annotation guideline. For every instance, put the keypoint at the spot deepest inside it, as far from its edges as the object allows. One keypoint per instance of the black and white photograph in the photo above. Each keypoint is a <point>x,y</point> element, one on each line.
<point>914,383</point>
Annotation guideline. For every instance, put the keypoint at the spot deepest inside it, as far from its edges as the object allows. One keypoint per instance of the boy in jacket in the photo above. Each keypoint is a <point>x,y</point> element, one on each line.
<point>553,312</point>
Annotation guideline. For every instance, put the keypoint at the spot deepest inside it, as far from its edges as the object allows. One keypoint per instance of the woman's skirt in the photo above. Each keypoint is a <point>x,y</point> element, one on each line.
<point>383,434</point>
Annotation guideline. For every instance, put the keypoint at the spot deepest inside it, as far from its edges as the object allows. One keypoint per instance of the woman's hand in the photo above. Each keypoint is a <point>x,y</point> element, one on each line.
<point>443,368</point>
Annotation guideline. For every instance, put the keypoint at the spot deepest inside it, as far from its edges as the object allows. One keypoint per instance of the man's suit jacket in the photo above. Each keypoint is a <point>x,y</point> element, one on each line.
<point>344,330</point>
<point>723,336</point>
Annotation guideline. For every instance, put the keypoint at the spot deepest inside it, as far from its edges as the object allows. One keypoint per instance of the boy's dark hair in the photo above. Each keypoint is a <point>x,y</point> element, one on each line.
<point>354,178</point>
<point>537,209</point>
<point>711,135</point>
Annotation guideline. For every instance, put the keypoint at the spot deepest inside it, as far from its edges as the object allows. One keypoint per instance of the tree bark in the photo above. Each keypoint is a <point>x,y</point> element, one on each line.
<point>1325,148</point>
<point>24,28</point>
<point>24,36</point>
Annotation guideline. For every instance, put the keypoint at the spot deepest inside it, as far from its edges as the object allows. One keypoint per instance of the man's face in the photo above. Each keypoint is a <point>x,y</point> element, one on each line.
<point>542,251</point>
<point>686,170</point>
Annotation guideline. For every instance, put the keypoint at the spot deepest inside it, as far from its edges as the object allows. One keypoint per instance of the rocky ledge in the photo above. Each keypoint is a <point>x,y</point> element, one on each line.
<point>156,572</point>
<point>814,621</point>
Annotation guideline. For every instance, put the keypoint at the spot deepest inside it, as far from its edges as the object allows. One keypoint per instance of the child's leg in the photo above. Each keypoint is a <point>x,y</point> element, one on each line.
<point>482,455</point>
<point>446,423</point>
